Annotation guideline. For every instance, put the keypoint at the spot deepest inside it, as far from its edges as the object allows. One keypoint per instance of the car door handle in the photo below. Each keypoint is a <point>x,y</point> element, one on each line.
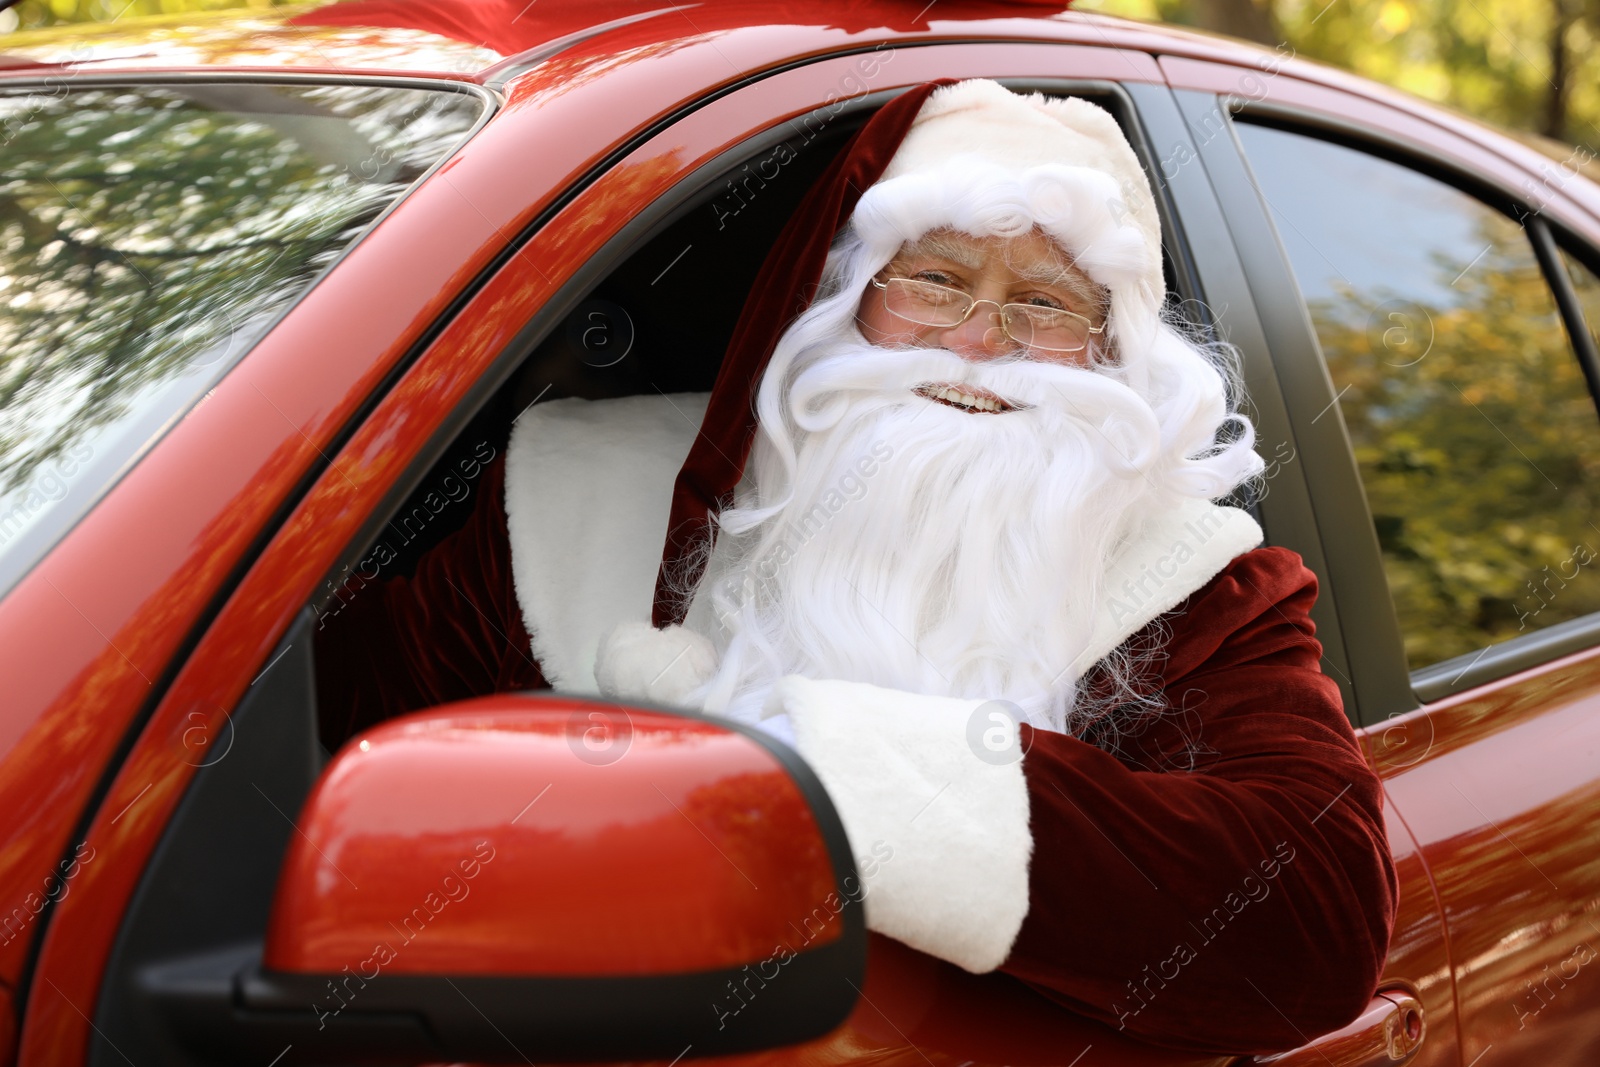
<point>1389,1032</point>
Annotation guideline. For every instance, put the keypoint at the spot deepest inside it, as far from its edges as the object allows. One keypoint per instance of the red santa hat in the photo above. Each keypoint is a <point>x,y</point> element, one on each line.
<point>971,156</point>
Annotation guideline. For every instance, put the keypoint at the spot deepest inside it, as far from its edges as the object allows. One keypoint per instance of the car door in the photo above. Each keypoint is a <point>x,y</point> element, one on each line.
<point>1441,364</point>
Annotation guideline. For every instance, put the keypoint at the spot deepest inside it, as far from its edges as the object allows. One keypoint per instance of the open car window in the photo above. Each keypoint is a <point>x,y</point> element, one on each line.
<point>654,326</point>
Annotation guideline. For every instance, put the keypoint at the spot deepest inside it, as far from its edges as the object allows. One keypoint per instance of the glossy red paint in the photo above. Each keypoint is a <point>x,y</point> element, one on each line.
<point>172,593</point>
<point>1499,788</point>
<point>287,571</point>
<point>1419,956</point>
<point>590,839</point>
<point>914,1006</point>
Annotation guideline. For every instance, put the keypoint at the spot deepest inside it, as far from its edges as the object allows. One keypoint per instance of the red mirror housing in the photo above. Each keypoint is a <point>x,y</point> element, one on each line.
<point>555,878</point>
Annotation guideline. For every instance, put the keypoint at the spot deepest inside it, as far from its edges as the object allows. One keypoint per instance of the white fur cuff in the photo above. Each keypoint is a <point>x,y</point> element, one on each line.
<point>932,783</point>
<point>637,660</point>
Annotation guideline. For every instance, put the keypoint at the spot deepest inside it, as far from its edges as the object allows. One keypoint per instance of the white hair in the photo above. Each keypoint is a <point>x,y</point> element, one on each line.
<point>944,582</point>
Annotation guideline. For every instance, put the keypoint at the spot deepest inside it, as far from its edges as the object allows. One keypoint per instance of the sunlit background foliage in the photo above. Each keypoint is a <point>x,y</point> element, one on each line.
<point>1530,65</point>
<point>33,14</point>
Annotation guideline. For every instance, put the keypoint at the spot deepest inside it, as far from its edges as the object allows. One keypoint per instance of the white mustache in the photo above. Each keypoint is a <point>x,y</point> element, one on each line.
<point>835,383</point>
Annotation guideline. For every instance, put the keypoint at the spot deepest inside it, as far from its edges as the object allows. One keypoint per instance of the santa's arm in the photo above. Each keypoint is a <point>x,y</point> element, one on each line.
<point>390,643</point>
<point>1244,905</point>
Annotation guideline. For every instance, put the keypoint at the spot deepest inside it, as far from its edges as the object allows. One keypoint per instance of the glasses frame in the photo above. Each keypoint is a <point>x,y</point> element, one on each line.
<point>1005,314</point>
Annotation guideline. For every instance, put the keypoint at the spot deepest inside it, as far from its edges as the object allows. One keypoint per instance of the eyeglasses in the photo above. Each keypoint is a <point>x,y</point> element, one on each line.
<point>1030,325</point>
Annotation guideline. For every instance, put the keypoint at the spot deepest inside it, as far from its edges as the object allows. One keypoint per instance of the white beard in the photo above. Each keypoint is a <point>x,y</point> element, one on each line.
<point>925,548</point>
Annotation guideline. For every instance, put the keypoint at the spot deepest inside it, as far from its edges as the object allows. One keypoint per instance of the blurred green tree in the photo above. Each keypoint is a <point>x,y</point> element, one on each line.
<point>1477,454</point>
<point>34,14</point>
<point>1529,66</point>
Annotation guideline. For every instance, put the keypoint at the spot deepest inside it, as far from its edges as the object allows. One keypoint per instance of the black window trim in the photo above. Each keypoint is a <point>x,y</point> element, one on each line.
<point>1489,663</point>
<point>1312,495</point>
<point>1549,247</point>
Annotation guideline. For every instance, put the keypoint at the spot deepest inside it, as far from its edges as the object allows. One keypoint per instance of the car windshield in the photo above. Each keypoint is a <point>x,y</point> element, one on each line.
<point>149,235</point>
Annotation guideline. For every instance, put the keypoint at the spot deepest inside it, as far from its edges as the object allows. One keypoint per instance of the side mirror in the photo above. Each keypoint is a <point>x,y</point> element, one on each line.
<point>527,878</point>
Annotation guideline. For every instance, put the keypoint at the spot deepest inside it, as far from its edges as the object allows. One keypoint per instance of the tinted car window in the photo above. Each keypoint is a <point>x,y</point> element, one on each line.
<point>1476,437</point>
<point>148,235</point>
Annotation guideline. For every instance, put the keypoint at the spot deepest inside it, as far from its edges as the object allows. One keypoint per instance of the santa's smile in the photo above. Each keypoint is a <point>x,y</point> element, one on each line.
<point>965,397</point>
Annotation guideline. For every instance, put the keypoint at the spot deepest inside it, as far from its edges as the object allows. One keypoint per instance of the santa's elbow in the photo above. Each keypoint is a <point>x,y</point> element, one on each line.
<point>1334,1006</point>
<point>1331,994</point>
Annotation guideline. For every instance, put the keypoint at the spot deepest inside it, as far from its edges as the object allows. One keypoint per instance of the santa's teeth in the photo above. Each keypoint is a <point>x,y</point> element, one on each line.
<point>968,399</point>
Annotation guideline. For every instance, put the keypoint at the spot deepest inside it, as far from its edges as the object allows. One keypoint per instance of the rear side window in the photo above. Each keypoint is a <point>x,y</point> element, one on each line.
<point>1474,430</point>
<point>148,236</point>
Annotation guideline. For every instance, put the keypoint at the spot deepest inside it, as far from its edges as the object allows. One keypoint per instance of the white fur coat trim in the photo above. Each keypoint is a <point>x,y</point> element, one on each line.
<point>588,497</point>
<point>1170,558</point>
<point>949,825</point>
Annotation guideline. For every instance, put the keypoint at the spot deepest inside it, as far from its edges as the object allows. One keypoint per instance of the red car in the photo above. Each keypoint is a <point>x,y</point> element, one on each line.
<point>272,289</point>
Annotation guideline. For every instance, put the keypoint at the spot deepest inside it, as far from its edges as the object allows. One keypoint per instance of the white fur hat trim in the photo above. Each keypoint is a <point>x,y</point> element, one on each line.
<point>986,161</point>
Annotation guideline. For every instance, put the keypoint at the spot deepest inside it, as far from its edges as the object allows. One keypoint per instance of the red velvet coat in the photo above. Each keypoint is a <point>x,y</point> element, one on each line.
<point>1221,884</point>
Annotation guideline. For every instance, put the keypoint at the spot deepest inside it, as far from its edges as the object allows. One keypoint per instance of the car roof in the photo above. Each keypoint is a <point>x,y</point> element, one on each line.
<point>475,39</point>
<point>494,41</point>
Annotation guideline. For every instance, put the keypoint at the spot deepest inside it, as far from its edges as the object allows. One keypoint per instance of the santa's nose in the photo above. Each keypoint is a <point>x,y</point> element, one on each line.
<point>981,336</point>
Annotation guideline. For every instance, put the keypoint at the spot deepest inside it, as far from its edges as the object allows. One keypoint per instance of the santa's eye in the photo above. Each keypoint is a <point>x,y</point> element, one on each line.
<point>1042,300</point>
<point>937,277</point>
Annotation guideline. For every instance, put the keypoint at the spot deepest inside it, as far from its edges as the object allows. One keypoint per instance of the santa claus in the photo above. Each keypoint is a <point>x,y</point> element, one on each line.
<point>951,534</point>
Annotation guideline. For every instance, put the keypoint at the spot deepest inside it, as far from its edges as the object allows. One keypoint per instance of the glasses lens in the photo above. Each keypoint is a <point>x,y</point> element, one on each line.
<point>925,302</point>
<point>1050,329</point>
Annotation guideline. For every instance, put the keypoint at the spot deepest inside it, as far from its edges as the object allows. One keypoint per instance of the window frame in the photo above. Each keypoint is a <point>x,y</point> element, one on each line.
<point>1489,663</point>
<point>1248,276</point>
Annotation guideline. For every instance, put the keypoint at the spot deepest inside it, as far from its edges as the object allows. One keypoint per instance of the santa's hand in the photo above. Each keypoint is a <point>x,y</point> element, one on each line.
<point>936,785</point>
